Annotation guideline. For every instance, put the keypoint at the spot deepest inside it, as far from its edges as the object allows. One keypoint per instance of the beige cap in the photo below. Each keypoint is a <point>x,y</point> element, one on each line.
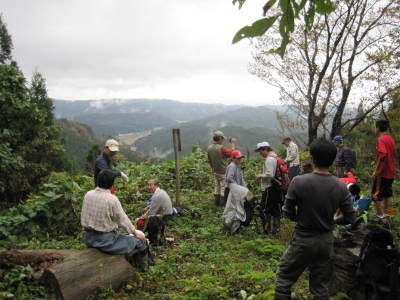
<point>112,145</point>
<point>219,133</point>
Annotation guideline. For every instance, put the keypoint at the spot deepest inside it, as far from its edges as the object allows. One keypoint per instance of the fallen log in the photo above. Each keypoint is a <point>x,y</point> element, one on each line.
<point>75,274</point>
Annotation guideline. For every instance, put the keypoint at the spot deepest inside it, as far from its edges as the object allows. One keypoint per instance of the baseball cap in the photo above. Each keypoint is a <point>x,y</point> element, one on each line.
<point>237,154</point>
<point>285,140</point>
<point>260,145</point>
<point>337,138</point>
<point>112,145</point>
<point>219,133</point>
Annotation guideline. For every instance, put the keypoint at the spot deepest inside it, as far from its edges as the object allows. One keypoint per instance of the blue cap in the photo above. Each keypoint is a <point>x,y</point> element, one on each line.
<point>337,138</point>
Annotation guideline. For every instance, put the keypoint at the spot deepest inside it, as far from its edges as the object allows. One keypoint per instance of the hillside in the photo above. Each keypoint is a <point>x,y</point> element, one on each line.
<point>179,111</point>
<point>159,144</point>
<point>79,138</point>
<point>122,123</point>
<point>249,125</point>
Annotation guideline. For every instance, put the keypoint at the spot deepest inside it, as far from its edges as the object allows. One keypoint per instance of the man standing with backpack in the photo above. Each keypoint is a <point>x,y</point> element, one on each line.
<point>384,172</point>
<point>269,206</point>
<point>311,201</point>
<point>344,162</point>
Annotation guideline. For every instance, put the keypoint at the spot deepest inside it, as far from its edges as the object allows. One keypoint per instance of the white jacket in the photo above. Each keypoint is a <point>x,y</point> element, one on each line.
<point>234,211</point>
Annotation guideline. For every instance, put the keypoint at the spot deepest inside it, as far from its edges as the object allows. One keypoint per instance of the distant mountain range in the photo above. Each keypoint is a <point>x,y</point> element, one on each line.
<point>197,122</point>
<point>179,111</point>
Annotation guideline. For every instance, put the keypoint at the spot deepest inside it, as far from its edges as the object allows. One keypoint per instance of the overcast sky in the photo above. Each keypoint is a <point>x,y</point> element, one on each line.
<point>177,49</point>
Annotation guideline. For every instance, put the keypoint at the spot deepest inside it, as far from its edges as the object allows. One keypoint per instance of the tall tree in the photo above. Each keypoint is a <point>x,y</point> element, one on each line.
<point>38,95</point>
<point>6,44</point>
<point>347,58</point>
<point>29,149</point>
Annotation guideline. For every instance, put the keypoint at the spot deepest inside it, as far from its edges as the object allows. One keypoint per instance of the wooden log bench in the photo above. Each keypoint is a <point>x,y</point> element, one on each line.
<point>74,274</point>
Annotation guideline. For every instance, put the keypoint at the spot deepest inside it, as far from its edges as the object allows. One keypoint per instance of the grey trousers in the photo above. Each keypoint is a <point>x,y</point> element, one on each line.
<point>314,252</point>
<point>114,242</point>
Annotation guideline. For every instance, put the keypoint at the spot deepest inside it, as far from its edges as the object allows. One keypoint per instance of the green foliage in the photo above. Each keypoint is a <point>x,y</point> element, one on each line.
<point>286,12</point>
<point>6,44</point>
<point>15,283</point>
<point>31,144</point>
<point>54,210</point>
<point>38,95</point>
<point>204,262</point>
<point>92,154</point>
<point>80,143</point>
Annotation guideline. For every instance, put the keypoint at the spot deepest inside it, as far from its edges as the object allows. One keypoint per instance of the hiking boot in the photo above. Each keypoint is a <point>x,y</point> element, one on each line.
<point>264,235</point>
<point>376,220</point>
<point>379,220</point>
<point>142,261</point>
<point>217,199</point>
<point>276,224</point>
<point>222,201</point>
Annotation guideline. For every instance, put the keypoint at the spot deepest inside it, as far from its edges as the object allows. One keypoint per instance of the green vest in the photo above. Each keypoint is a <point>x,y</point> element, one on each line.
<point>218,163</point>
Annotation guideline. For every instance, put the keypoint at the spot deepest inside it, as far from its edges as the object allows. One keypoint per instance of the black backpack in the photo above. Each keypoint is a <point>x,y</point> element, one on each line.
<point>155,226</point>
<point>353,156</point>
<point>378,261</point>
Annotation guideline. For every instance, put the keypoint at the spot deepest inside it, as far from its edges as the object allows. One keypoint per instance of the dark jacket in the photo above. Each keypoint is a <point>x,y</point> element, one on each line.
<point>344,158</point>
<point>103,162</point>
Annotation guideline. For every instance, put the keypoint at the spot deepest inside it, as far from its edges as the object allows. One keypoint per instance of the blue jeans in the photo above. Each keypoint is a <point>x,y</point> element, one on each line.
<point>314,252</point>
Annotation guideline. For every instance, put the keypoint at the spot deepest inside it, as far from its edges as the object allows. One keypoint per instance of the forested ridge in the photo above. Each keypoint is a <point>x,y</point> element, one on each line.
<point>43,181</point>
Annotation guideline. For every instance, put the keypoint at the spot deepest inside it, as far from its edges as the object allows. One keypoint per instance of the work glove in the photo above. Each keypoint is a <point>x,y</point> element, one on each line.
<point>124,177</point>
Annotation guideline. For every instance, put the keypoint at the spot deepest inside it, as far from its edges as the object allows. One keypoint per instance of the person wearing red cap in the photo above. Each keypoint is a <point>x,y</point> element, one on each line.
<point>235,213</point>
<point>234,171</point>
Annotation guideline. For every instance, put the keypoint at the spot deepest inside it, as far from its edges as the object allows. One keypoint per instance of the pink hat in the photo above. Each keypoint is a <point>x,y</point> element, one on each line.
<point>236,154</point>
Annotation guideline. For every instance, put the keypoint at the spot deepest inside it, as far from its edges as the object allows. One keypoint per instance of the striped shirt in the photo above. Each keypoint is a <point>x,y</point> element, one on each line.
<point>101,211</point>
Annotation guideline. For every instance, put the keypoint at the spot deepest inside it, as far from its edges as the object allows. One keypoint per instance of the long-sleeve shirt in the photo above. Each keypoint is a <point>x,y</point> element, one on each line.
<point>344,158</point>
<point>161,203</point>
<point>103,162</point>
<point>292,155</point>
<point>218,157</point>
<point>312,200</point>
<point>385,153</point>
<point>101,211</point>
<point>234,175</point>
<point>269,170</point>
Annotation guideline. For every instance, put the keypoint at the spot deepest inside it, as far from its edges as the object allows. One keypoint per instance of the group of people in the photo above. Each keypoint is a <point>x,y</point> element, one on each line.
<point>311,201</point>
<point>384,172</point>
<point>228,176</point>
<point>102,213</point>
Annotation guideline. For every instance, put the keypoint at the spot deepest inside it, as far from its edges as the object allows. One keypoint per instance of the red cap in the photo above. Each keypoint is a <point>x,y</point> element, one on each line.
<point>236,154</point>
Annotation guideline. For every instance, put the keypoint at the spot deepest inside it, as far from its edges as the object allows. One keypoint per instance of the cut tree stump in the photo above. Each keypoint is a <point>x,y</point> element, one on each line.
<point>75,274</point>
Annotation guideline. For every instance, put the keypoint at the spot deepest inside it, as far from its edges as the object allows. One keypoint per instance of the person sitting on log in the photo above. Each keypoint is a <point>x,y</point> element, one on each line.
<point>100,212</point>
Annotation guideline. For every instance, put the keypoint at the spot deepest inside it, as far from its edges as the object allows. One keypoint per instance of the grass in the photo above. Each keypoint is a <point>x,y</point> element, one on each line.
<point>204,261</point>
